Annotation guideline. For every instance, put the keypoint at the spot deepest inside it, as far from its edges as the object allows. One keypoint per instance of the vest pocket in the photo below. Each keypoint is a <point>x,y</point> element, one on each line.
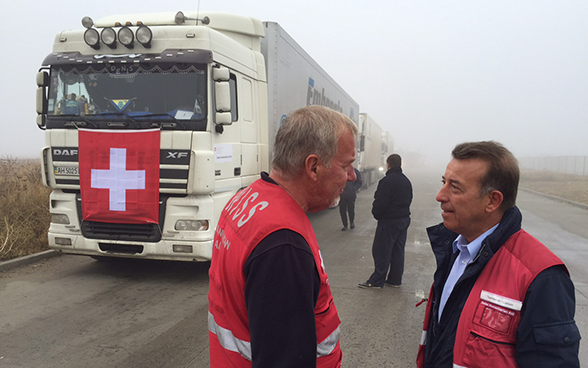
<point>482,352</point>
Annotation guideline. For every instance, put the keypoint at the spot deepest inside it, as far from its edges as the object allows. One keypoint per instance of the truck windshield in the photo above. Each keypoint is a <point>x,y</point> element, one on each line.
<point>138,94</point>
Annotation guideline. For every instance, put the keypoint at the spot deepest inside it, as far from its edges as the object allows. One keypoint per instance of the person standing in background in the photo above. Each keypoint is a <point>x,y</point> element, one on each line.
<point>347,201</point>
<point>391,208</point>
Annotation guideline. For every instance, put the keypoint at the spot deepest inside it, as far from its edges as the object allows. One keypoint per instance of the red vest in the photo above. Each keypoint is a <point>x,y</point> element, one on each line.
<point>487,328</point>
<point>249,217</point>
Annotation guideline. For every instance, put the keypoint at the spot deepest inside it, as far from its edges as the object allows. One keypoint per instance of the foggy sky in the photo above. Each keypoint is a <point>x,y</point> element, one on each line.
<point>433,73</point>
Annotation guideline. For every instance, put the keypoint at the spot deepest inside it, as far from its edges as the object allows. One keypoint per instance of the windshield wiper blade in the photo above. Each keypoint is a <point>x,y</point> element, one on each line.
<point>120,113</point>
<point>75,123</point>
<point>160,124</point>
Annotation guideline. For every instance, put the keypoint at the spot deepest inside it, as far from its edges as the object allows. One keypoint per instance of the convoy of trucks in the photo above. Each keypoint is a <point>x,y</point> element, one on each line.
<point>212,87</point>
<point>387,147</point>
<point>369,150</point>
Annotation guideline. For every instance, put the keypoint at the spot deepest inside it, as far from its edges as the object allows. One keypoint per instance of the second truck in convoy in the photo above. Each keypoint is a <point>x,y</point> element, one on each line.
<point>211,88</point>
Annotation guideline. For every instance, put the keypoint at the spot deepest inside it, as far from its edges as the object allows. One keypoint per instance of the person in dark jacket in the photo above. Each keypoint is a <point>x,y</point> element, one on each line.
<point>391,208</point>
<point>347,201</point>
<point>499,298</point>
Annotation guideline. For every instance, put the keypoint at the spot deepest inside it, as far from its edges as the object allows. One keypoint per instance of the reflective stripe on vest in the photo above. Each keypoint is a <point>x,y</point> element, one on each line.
<point>423,338</point>
<point>329,344</point>
<point>230,342</point>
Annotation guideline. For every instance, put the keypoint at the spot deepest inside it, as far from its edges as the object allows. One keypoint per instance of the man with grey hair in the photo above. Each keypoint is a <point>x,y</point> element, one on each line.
<point>270,303</point>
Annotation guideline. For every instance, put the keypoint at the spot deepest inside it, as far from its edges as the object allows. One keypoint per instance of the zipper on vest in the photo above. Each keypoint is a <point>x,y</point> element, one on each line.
<point>493,341</point>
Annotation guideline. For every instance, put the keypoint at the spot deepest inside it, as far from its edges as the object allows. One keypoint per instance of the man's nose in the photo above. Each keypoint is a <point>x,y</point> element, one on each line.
<point>441,195</point>
<point>351,174</point>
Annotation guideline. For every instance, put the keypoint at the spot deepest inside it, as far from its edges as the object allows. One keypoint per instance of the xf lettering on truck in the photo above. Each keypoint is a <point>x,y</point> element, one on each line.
<point>174,155</point>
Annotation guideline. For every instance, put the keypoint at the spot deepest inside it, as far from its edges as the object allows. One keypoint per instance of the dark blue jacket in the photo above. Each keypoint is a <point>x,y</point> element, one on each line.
<point>352,187</point>
<point>393,196</point>
<point>550,300</point>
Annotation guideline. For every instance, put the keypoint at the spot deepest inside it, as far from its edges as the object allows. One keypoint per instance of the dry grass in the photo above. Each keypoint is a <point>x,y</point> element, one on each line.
<point>24,208</point>
<point>566,186</point>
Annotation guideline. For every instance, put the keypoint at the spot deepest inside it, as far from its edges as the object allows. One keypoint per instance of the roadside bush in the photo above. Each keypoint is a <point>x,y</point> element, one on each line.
<point>24,208</point>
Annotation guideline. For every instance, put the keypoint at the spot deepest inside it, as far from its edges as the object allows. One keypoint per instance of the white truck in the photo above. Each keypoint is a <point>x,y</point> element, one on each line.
<point>369,149</point>
<point>387,148</point>
<point>214,86</point>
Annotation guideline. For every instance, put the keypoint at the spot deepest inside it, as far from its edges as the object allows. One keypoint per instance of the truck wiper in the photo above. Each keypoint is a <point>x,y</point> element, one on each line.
<point>120,113</point>
<point>160,124</point>
<point>78,124</point>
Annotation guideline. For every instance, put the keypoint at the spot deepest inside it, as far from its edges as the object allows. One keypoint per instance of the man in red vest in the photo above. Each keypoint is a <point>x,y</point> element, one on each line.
<point>499,298</point>
<point>270,304</point>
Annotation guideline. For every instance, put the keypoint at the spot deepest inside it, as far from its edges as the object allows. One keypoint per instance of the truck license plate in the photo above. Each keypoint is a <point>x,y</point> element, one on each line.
<point>66,170</point>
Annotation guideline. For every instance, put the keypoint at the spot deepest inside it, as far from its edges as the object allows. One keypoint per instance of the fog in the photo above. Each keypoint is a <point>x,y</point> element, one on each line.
<point>432,73</point>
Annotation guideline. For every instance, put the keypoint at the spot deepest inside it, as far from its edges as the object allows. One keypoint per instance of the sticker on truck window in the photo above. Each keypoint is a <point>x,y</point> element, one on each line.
<point>223,153</point>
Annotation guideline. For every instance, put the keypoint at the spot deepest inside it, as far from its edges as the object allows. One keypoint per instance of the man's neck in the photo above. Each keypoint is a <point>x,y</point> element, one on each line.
<point>295,187</point>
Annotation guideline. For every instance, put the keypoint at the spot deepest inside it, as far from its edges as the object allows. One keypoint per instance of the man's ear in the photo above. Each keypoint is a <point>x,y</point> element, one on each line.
<point>495,199</point>
<point>311,166</point>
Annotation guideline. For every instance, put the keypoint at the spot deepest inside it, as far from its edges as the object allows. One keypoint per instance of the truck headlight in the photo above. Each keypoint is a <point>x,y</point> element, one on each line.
<point>192,225</point>
<point>59,218</point>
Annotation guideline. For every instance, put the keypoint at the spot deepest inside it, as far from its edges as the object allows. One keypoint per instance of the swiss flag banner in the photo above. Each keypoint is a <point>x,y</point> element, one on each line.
<point>119,175</point>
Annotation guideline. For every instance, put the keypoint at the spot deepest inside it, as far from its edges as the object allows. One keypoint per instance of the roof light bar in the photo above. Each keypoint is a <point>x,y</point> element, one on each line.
<point>109,35</point>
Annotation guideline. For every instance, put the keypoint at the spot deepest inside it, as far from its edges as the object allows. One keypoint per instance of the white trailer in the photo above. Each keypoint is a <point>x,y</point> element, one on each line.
<point>216,87</point>
<point>387,148</point>
<point>369,147</point>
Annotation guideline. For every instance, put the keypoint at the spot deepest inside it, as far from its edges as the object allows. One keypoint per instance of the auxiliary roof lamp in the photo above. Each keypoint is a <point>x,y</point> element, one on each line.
<point>91,36</point>
<point>108,36</point>
<point>126,37</point>
<point>144,35</point>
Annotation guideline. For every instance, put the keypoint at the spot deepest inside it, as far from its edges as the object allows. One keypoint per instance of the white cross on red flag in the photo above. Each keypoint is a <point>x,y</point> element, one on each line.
<point>119,175</point>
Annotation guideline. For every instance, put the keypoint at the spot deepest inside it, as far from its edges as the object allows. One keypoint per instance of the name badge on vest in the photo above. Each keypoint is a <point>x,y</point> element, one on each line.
<point>502,301</point>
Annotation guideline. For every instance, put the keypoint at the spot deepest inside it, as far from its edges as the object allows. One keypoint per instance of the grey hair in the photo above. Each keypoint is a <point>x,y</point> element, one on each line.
<point>309,130</point>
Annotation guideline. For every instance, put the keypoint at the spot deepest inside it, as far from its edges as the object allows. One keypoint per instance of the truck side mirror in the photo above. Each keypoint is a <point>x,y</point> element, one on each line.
<point>42,85</point>
<point>222,95</point>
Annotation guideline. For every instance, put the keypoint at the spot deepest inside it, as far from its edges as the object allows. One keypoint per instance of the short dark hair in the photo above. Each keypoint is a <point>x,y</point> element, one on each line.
<point>394,160</point>
<point>503,168</point>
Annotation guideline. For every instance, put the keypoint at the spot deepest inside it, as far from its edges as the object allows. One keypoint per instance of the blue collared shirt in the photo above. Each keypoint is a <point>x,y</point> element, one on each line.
<point>467,253</point>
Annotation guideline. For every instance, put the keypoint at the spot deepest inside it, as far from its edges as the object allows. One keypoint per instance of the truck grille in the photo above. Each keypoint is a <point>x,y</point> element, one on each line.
<point>128,232</point>
<point>173,170</point>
